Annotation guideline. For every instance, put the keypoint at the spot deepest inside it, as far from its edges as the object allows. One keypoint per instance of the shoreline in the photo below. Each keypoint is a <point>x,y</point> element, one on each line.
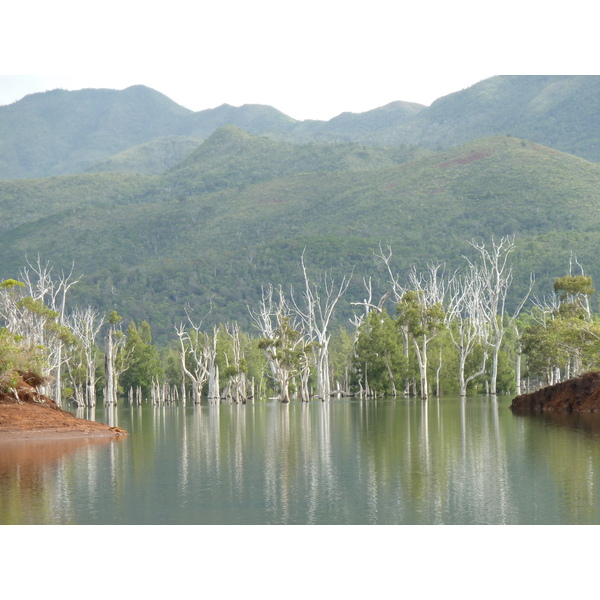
<point>55,434</point>
<point>37,421</point>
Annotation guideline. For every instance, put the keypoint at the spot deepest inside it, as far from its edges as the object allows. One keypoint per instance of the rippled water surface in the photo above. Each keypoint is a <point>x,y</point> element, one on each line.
<point>345,462</point>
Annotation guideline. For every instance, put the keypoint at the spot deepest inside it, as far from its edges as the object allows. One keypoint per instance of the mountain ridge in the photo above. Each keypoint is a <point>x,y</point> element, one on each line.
<point>59,132</point>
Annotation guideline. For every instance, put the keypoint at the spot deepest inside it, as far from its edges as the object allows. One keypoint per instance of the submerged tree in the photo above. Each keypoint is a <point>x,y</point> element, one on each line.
<point>236,367</point>
<point>198,356</point>
<point>421,312</point>
<point>116,358</point>
<point>379,358</point>
<point>317,310</point>
<point>284,344</point>
<point>562,339</point>
<point>143,365</point>
<point>467,325</point>
<point>496,276</point>
<point>85,324</point>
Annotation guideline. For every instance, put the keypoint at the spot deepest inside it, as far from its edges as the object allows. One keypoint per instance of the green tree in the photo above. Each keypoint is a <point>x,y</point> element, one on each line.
<point>287,353</point>
<point>563,338</point>
<point>144,364</point>
<point>379,361</point>
<point>422,318</point>
<point>341,357</point>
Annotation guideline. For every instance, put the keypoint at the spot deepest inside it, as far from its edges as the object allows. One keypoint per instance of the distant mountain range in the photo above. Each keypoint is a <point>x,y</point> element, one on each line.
<point>139,130</point>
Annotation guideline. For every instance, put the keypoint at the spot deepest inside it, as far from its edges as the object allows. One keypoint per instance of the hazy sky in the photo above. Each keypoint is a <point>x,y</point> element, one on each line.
<point>309,59</point>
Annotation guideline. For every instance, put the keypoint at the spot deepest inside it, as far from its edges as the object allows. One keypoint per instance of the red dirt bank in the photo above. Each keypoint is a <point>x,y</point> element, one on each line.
<point>579,395</point>
<point>36,416</point>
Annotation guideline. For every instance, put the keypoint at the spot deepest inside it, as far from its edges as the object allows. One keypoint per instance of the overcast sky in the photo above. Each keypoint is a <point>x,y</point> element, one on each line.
<point>309,59</point>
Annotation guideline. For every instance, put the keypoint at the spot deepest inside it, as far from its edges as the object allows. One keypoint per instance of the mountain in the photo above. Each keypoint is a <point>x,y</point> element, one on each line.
<point>253,118</point>
<point>558,111</point>
<point>60,132</point>
<point>140,130</point>
<point>150,245</point>
<point>370,127</point>
<point>231,157</point>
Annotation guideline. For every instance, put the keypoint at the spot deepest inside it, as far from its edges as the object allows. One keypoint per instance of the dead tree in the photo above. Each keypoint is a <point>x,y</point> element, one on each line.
<point>282,340</point>
<point>116,359</point>
<point>396,291</point>
<point>496,279</point>
<point>235,389</point>
<point>316,312</point>
<point>466,318</point>
<point>85,324</point>
<point>421,311</point>
<point>198,354</point>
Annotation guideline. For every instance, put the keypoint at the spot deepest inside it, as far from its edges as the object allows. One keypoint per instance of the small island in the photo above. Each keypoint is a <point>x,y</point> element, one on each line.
<point>25,413</point>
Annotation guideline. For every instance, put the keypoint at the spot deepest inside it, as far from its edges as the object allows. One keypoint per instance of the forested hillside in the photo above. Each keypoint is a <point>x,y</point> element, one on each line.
<point>557,111</point>
<point>239,212</point>
<point>60,132</point>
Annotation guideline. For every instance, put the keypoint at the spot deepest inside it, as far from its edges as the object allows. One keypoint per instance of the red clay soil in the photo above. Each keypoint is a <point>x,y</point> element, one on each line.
<point>466,160</point>
<point>29,414</point>
<point>579,395</point>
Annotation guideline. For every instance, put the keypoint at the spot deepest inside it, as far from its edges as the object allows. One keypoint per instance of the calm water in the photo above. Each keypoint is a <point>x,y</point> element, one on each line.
<point>346,462</point>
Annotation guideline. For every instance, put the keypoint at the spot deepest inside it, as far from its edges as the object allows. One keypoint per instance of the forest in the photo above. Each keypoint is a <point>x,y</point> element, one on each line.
<point>432,332</point>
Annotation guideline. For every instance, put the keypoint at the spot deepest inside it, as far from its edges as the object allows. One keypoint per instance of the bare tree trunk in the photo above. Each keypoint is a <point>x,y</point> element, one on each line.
<point>109,362</point>
<point>201,349</point>
<point>518,365</point>
<point>437,375</point>
<point>390,375</point>
<point>281,341</point>
<point>496,277</point>
<point>320,300</point>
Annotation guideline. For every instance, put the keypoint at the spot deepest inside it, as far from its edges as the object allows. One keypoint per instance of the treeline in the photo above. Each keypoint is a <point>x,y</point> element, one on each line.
<point>430,333</point>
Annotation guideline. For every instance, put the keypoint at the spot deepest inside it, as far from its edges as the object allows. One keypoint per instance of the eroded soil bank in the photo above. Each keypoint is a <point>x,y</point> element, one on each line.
<point>27,414</point>
<point>578,395</point>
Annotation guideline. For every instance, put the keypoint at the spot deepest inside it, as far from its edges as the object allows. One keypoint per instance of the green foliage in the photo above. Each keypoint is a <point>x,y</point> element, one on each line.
<point>341,355</point>
<point>285,346</point>
<point>17,357</point>
<point>139,129</point>
<point>144,363</point>
<point>37,307</point>
<point>150,158</point>
<point>65,132</point>
<point>543,345</point>
<point>114,318</point>
<point>557,111</point>
<point>379,359</point>
<point>573,287</point>
<point>11,283</point>
<point>566,337</point>
<point>420,318</point>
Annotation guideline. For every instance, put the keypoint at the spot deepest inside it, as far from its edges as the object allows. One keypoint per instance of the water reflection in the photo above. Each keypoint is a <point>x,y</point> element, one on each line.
<point>566,445</point>
<point>35,474</point>
<point>447,460</point>
<point>588,422</point>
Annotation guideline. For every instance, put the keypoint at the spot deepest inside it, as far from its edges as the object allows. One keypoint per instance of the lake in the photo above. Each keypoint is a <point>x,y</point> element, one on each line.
<point>404,461</point>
